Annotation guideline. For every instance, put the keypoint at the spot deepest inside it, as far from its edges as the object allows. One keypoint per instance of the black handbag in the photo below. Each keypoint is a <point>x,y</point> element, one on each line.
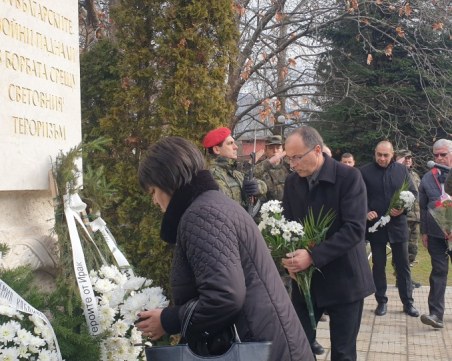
<point>235,351</point>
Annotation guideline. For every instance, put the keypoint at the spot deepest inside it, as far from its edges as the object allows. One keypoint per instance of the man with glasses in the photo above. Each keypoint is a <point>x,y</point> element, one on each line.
<point>431,190</point>
<point>343,279</point>
<point>383,178</point>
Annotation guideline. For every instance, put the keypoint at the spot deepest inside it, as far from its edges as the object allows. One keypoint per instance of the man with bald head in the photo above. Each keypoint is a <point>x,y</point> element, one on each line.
<point>383,178</point>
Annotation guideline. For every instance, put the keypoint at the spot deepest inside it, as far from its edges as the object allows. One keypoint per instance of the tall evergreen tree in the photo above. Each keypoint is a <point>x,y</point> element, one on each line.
<point>168,70</point>
<point>384,79</point>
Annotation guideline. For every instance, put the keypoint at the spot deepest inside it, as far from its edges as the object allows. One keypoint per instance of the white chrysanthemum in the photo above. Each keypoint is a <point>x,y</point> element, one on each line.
<point>93,274</point>
<point>44,355</point>
<point>7,332</point>
<point>107,316</point>
<point>136,336</point>
<point>156,298</point>
<point>9,354</point>
<point>24,352</point>
<point>53,356</point>
<point>103,352</point>
<point>23,337</point>
<point>38,321</point>
<point>117,297</point>
<point>118,309</point>
<point>113,274</point>
<point>147,298</point>
<point>408,199</point>
<point>104,285</point>
<point>33,349</point>
<point>47,335</point>
<point>125,352</point>
<point>9,311</point>
<point>119,328</point>
<point>135,283</point>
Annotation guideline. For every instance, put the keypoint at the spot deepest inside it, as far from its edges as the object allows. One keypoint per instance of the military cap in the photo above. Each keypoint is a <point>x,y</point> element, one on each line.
<point>215,137</point>
<point>274,140</point>
<point>403,153</point>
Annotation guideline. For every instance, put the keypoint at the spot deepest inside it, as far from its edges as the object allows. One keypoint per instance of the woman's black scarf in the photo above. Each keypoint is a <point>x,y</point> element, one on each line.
<point>181,200</point>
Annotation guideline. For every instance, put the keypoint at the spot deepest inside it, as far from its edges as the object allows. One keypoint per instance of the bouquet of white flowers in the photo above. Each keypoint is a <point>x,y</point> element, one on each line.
<point>284,236</point>
<point>24,338</point>
<point>401,199</point>
<point>280,234</point>
<point>120,300</point>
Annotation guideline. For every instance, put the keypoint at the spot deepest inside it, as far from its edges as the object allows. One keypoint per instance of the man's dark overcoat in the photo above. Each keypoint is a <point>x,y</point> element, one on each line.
<point>381,184</point>
<point>344,274</point>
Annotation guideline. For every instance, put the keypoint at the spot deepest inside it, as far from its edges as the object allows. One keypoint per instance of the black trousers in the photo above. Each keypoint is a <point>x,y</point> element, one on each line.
<point>438,277</point>
<point>402,266</point>
<point>345,320</point>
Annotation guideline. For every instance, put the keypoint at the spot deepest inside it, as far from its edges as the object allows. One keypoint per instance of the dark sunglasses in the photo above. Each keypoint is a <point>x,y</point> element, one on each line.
<point>442,155</point>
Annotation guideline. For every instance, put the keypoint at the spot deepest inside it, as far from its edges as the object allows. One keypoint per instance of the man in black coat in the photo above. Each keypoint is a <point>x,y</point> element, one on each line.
<point>343,280</point>
<point>383,178</point>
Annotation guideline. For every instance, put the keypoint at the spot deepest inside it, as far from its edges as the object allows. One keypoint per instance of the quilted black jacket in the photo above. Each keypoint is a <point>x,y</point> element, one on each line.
<point>221,260</point>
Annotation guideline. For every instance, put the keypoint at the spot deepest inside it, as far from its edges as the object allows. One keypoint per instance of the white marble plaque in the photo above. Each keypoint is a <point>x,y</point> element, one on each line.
<point>39,89</point>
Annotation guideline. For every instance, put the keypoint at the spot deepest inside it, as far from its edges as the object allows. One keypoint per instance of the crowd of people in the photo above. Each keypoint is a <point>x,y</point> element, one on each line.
<point>222,273</point>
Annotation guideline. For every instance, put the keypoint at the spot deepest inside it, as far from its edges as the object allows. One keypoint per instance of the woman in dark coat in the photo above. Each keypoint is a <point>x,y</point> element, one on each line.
<point>222,271</point>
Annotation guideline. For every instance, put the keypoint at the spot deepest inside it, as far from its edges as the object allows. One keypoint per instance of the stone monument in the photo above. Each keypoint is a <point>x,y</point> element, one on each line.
<point>39,117</point>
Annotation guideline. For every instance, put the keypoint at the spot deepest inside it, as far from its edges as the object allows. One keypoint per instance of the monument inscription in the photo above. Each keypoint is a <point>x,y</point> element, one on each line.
<point>39,89</point>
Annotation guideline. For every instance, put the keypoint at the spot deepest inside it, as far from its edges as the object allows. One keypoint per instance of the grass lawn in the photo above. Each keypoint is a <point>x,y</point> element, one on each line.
<point>420,271</point>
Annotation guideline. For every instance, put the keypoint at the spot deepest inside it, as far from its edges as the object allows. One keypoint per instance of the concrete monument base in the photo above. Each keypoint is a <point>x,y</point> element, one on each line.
<point>26,227</point>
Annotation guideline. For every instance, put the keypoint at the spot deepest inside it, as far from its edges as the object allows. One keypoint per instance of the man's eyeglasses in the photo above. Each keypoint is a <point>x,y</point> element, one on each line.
<point>298,158</point>
<point>442,155</point>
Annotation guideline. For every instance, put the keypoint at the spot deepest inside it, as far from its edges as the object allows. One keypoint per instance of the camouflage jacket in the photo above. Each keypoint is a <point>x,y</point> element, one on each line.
<point>230,180</point>
<point>414,213</point>
<point>274,177</point>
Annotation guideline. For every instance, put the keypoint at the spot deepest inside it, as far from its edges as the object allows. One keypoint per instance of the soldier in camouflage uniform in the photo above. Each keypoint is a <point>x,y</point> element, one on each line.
<point>405,157</point>
<point>272,169</point>
<point>223,166</point>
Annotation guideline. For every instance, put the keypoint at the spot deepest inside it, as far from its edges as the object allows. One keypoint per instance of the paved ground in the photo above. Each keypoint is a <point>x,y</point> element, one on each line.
<point>396,336</point>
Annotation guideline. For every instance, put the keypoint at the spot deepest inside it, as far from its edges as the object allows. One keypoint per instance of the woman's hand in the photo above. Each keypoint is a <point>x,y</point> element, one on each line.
<point>150,324</point>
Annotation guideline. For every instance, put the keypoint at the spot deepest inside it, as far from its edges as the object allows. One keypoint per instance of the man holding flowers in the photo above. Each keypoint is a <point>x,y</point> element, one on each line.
<point>384,178</point>
<point>342,279</point>
<point>433,195</point>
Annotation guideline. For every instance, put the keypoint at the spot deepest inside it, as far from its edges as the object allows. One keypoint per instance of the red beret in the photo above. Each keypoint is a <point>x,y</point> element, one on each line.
<point>215,137</point>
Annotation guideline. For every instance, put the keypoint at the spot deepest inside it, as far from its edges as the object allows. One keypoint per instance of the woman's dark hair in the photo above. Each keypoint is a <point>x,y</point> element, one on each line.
<point>169,164</point>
